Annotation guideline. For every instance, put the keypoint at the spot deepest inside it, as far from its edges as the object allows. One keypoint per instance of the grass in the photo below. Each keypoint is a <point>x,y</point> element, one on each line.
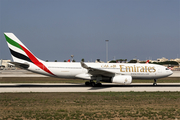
<point>82,106</point>
<point>162,80</point>
<point>60,80</point>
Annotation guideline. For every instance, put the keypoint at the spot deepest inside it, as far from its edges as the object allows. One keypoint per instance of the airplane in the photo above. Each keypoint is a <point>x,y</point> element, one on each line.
<point>120,73</point>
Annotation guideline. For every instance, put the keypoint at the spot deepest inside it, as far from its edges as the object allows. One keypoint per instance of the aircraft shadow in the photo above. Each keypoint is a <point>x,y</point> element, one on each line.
<point>82,85</point>
<point>126,86</point>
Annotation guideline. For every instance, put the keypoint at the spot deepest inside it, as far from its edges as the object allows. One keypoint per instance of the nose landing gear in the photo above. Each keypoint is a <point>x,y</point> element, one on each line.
<point>155,82</point>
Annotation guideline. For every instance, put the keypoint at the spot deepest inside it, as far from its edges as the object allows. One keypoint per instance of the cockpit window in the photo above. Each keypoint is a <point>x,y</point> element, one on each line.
<point>167,68</point>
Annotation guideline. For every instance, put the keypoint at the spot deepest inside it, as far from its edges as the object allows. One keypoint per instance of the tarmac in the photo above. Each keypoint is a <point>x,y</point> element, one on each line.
<point>106,87</point>
<point>19,73</point>
<point>71,87</point>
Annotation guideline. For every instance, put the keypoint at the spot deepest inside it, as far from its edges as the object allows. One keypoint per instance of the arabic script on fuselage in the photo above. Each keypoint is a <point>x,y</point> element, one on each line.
<point>133,68</point>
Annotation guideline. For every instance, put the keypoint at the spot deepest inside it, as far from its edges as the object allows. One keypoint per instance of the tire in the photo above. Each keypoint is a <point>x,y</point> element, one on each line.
<point>87,83</point>
<point>155,84</point>
<point>99,84</point>
<point>93,84</point>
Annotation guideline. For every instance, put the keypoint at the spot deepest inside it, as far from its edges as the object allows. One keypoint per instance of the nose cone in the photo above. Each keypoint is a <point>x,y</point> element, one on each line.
<point>171,72</point>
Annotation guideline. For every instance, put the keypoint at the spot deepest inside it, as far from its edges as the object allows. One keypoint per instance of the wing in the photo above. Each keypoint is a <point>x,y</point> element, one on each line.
<point>97,72</point>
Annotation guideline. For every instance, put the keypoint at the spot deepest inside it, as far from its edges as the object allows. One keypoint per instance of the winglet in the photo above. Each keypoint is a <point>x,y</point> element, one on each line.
<point>84,65</point>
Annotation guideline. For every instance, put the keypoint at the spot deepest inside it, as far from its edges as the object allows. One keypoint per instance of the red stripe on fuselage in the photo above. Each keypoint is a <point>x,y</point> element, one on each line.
<point>36,61</point>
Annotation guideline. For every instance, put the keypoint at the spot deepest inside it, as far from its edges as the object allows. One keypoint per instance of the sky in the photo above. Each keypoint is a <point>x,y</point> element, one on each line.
<point>56,29</point>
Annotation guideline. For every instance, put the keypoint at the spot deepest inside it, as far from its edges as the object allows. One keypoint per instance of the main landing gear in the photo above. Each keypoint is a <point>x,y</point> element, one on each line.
<point>155,82</point>
<point>93,84</point>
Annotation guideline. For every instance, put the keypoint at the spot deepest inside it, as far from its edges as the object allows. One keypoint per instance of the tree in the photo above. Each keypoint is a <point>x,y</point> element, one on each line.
<point>55,61</point>
<point>112,61</point>
<point>167,63</point>
<point>65,61</point>
<point>120,60</point>
<point>125,60</point>
<point>82,60</point>
<point>132,61</point>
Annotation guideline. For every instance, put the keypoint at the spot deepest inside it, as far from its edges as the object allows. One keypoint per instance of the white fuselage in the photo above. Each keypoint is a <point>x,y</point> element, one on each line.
<point>72,69</point>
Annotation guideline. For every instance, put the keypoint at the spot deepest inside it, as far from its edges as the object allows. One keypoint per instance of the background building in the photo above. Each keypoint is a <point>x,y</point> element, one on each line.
<point>4,64</point>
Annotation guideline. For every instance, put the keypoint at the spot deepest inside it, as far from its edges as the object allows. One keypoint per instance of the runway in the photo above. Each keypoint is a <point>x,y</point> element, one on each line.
<point>106,87</point>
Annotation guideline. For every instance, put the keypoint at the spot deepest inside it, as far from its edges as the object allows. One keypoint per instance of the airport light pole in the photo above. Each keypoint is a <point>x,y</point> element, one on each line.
<point>107,50</point>
<point>72,58</point>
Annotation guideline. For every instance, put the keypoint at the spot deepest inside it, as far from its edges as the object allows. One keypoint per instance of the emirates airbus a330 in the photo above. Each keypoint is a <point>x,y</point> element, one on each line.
<point>121,73</point>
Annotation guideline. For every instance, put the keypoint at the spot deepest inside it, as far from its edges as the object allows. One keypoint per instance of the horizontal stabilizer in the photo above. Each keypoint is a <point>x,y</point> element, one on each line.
<point>20,65</point>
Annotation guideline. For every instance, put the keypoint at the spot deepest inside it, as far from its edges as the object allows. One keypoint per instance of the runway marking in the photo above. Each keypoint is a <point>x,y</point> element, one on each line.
<point>69,87</point>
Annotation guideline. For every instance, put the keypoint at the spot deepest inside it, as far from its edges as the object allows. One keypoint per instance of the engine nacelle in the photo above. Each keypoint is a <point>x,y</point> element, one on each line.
<point>122,79</point>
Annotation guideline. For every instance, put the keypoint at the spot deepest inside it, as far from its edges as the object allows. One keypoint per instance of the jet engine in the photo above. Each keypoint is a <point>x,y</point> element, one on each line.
<point>122,79</point>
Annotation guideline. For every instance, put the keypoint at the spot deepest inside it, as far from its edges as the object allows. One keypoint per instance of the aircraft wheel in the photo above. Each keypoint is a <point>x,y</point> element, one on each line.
<point>87,83</point>
<point>93,84</point>
<point>99,84</point>
<point>154,84</point>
